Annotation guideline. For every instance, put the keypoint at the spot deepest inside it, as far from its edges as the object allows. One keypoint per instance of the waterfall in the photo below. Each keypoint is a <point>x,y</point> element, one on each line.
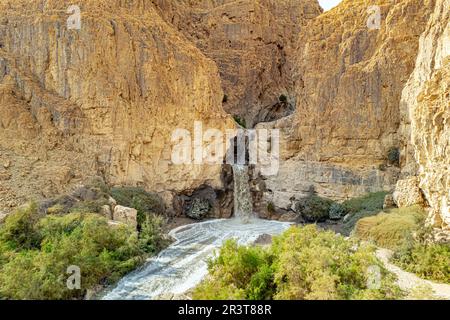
<point>243,207</point>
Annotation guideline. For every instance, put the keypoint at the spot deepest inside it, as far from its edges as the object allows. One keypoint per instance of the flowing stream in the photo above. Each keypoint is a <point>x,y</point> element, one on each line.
<point>183,264</point>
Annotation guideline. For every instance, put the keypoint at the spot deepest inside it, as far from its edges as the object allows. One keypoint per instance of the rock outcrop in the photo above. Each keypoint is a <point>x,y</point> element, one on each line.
<point>349,81</point>
<point>125,215</point>
<point>426,116</point>
<point>407,193</point>
<point>103,100</point>
<point>252,42</point>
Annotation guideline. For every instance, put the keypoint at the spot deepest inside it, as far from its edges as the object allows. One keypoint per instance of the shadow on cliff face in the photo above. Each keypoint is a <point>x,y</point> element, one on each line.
<point>205,201</point>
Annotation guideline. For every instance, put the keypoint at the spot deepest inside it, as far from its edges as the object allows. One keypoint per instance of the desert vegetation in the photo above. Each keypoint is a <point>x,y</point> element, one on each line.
<point>304,263</point>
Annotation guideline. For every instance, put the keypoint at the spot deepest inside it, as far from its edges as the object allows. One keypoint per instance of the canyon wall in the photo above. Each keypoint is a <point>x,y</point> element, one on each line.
<point>426,118</point>
<point>99,101</point>
<point>104,100</point>
<point>253,44</point>
<point>349,79</point>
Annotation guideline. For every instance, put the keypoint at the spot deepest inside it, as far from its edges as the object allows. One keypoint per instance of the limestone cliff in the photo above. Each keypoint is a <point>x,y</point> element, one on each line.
<point>349,80</point>
<point>426,116</point>
<point>103,100</point>
<point>252,42</point>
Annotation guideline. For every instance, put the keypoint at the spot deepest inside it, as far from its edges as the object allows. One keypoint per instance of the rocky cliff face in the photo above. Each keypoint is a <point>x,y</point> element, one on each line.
<point>349,80</point>
<point>252,42</point>
<point>426,114</point>
<point>103,100</point>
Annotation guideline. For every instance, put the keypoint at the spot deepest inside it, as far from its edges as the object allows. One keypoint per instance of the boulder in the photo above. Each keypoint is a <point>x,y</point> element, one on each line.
<point>125,215</point>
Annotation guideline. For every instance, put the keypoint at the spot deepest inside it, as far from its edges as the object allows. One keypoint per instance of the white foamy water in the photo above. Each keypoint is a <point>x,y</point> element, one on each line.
<point>184,264</point>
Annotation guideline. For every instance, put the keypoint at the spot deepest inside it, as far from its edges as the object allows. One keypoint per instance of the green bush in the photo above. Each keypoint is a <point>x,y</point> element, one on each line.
<point>369,202</point>
<point>240,121</point>
<point>314,208</point>
<point>393,229</point>
<point>313,264</point>
<point>361,207</point>
<point>302,264</point>
<point>36,251</point>
<point>144,202</point>
<point>88,206</point>
<point>404,230</point>
<point>429,261</point>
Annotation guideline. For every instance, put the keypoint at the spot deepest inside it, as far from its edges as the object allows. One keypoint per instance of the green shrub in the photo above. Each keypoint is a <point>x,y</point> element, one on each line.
<point>283,99</point>
<point>304,263</point>
<point>225,98</point>
<point>369,202</point>
<point>151,236</point>
<point>271,207</point>
<point>144,202</point>
<point>361,207</point>
<point>238,272</point>
<point>88,206</point>
<point>313,264</point>
<point>429,261</point>
<point>422,292</point>
<point>404,230</point>
<point>19,229</point>
<point>56,209</point>
<point>314,208</point>
<point>337,211</point>
<point>392,229</point>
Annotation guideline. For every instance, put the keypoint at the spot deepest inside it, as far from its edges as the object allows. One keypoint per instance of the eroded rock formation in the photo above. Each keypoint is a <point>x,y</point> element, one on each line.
<point>103,100</point>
